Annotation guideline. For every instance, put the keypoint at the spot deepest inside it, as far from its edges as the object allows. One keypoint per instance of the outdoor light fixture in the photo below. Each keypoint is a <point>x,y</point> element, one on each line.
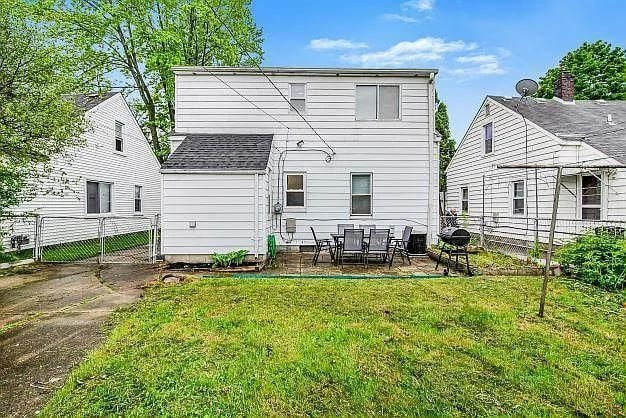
<point>300,143</point>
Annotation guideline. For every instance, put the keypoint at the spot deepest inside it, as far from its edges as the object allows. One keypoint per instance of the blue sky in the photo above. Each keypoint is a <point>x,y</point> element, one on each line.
<point>480,47</point>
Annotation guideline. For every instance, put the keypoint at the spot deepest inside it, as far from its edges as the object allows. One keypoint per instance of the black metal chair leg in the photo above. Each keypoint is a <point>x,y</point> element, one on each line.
<point>393,254</point>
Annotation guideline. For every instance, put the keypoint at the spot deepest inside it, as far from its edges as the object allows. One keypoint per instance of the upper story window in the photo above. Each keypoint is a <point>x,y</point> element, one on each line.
<point>487,109</point>
<point>518,197</point>
<point>119,138</point>
<point>297,97</point>
<point>98,197</point>
<point>488,137</point>
<point>295,197</point>
<point>380,102</point>
<point>591,197</point>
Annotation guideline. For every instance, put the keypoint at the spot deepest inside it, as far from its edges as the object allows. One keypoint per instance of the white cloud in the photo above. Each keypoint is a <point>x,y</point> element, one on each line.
<point>410,52</point>
<point>486,64</point>
<point>421,5</point>
<point>325,44</point>
<point>399,18</point>
<point>504,52</point>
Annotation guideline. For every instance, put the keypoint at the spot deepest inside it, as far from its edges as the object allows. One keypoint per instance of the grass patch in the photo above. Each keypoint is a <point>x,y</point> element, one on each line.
<point>11,256</point>
<point>492,259</point>
<point>357,347</point>
<point>80,250</point>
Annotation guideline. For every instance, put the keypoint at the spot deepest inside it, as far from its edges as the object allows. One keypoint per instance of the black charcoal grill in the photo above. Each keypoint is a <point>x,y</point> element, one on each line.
<point>455,242</point>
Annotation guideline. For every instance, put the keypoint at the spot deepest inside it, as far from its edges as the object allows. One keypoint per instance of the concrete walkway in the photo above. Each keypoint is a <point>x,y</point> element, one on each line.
<point>50,317</point>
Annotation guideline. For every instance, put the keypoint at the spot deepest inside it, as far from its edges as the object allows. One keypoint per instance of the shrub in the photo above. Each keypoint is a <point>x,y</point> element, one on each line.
<point>598,259</point>
<point>228,259</point>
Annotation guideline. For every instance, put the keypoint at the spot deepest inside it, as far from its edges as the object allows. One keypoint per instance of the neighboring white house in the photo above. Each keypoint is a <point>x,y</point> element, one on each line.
<point>245,165</point>
<point>113,173</point>
<point>530,131</point>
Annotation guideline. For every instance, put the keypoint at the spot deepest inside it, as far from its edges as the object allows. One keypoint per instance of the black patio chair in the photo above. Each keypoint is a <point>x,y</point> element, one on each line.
<point>378,245</point>
<point>353,244</point>
<point>321,245</point>
<point>401,245</point>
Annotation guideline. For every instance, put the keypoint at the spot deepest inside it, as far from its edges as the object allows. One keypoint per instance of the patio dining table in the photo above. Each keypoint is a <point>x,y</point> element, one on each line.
<point>337,238</point>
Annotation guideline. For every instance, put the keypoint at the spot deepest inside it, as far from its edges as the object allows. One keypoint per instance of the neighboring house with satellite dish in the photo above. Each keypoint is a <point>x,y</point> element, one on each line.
<point>113,173</point>
<point>276,151</point>
<point>587,138</point>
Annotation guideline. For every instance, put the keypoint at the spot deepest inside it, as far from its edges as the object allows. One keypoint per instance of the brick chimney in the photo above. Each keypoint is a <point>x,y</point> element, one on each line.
<point>564,86</point>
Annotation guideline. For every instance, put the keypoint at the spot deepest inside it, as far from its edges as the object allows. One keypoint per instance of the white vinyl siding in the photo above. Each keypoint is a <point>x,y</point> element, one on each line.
<point>96,161</point>
<point>377,102</point>
<point>361,194</point>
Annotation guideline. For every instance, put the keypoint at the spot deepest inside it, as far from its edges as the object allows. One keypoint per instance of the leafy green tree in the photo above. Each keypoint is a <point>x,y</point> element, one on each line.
<point>135,43</point>
<point>599,72</point>
<point>38,119</point>
<point>447,145</point>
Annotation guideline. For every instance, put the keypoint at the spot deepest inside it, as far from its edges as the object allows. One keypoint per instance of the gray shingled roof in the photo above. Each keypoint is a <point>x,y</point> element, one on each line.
<point>91,100</point>
<point>221,152</point>
<point>584,120</point>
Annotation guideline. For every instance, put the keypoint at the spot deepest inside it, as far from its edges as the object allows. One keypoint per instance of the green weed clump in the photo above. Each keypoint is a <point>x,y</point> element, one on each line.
<point>598,259</point>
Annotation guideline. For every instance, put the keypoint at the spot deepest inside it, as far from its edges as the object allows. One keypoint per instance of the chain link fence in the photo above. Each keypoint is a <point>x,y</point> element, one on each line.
<point>133,239</point>
<point>527,237</point>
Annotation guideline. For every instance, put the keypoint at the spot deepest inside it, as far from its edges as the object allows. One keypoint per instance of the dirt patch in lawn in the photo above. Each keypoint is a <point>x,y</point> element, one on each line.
<point>50,317</point>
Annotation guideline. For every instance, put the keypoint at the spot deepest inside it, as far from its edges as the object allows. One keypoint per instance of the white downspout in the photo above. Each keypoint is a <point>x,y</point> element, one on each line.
<point>256,216</point>
<point>431,178</point>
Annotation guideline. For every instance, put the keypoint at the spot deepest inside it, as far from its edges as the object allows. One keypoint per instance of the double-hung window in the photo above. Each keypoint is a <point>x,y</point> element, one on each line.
<point>465,200</point>
<point>488,137</point>
<point>119,137</point>
<point>361,194</point>
<point>297,97</point>
<point>295,191</point>
<point>591,197</point>
<point>98,197</point>
<point>138,196</point>
<point>377,102</point>
<point>518,197</point>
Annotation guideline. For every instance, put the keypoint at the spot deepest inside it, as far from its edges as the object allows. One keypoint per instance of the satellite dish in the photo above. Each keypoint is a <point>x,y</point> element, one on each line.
<point>526,87</point>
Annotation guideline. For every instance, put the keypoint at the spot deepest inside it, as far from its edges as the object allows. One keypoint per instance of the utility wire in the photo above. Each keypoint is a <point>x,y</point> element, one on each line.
<point>232,35</point>
<point>244,97</point>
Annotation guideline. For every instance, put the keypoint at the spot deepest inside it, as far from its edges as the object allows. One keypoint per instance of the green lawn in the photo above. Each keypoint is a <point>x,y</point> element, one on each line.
<point>354,347</point>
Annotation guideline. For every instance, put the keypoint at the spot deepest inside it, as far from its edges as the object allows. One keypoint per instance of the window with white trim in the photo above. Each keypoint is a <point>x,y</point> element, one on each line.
<point>377,102</point>
<point>591,197</point>
<point>138,198</point>
<point>465,200</point>
<point>98,197</point>
<point>295,191</point>
<point>488,137</point>
<point>119,136</point>
<point>297,97</point>
<point>360,194</point>
<point>519,202</point>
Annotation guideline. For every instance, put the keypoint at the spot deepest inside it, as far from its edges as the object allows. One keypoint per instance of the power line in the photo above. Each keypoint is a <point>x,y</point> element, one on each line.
<point>244,97</point>
<point>232,35</point>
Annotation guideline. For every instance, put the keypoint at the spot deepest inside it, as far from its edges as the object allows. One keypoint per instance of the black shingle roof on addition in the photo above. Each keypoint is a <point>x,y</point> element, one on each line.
<point>584,120</point>
<point>89,101</point>
<point>221,152</point>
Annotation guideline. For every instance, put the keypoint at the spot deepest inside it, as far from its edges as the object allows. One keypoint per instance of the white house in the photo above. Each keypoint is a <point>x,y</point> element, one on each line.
<point>113,173</point>
<point>245,164</point>
<point>560,131</point>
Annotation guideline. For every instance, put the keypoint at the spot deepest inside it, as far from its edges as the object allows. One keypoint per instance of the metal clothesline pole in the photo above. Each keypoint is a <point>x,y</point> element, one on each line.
<point>546,273</point>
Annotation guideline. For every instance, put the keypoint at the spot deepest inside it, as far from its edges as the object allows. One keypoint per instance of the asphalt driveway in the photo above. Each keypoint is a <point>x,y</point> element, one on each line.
<point>50,317</point>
